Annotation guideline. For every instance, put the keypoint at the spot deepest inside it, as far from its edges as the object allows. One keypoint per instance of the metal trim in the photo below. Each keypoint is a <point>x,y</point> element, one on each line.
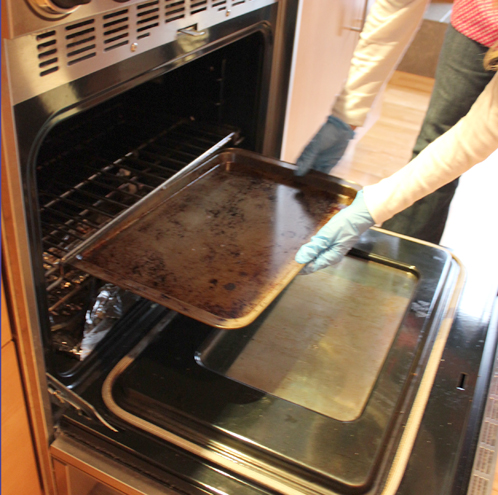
<point>415,418</point>
<point>218,453</point>
<point>18,283</point>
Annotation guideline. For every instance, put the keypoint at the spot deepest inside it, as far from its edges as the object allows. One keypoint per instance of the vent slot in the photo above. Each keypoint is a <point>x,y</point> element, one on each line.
<point>147,18</point>
<point>116,30</point>
<point>197,6</point>
<point>80,42</point>
<point>219,4</point>
<point>237,2</point>
<point>47,53</point>
<point>175,9</point>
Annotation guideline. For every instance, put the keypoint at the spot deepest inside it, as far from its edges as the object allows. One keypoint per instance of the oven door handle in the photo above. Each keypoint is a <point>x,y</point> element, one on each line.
<point>364,253</point>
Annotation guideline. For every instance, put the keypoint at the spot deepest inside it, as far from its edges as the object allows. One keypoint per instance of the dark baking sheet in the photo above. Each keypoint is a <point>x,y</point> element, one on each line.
<point>219,244</point>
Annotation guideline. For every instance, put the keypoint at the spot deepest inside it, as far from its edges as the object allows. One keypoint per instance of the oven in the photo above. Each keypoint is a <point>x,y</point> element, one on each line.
<point>168,344</point>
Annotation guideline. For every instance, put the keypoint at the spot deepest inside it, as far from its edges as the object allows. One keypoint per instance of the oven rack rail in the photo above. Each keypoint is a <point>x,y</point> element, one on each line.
<point>108,189</point>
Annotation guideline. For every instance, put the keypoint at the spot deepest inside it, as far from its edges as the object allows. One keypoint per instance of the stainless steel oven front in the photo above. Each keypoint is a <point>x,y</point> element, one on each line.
<point>367,378</point>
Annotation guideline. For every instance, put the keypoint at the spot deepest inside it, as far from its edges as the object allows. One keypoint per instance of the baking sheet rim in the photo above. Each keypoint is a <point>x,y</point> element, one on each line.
<point>201,314</point>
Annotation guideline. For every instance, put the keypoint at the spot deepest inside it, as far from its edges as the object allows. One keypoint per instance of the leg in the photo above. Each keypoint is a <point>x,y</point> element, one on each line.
<point>460,79</point>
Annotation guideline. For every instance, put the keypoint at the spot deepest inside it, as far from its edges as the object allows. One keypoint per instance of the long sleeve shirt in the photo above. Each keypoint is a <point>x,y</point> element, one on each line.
<point>388,31</point>
<point>390,27</point>
<point>467,143</point>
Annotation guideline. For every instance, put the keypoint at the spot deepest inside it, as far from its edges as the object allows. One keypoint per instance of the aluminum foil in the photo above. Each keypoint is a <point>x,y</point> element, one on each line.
<point>81,333</point>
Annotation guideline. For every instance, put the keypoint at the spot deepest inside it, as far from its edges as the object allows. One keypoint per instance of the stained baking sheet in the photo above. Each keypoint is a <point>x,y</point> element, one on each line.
<point>219,244</point>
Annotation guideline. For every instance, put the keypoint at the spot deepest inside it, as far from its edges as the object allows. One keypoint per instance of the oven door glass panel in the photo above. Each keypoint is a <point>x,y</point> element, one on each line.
<point>323,344</point>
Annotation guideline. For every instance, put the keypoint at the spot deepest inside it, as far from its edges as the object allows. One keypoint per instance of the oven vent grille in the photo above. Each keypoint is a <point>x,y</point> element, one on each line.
<point>47,53</point>
<point>116,30</point>
<point>80,42</point>
<point>147,18</point>
<point>83,44</point>
<point>197,6</point>
<point>175,9</point>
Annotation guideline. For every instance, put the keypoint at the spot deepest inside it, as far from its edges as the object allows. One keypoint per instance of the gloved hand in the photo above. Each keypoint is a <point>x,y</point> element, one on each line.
<point>326,148</point>
<point>336,238</point>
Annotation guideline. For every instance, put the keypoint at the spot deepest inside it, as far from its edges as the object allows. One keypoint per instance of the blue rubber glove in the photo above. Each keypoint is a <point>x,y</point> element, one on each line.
<point>336,238</point>
<point>326,148</point>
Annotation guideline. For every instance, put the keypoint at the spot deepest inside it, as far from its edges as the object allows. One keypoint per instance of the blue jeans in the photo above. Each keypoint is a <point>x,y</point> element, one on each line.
<point>460,78</point>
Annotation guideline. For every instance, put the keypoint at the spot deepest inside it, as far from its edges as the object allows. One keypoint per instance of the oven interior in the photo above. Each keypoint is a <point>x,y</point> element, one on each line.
<point>93,166</point>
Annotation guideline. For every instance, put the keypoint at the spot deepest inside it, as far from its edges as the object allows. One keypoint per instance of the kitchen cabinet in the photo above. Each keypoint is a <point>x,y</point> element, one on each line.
<point>19,468</point>
<point>326,36</point>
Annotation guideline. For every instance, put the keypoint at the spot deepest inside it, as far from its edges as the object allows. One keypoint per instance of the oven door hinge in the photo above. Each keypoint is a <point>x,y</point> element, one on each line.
<point>66,396</point>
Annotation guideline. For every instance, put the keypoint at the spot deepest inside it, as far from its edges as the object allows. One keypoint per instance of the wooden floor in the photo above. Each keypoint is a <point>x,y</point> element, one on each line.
<point>386,146</point>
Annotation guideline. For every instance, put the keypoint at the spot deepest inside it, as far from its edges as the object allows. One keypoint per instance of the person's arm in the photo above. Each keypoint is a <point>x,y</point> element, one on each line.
<point>467,143</point>
<point>388,31</point>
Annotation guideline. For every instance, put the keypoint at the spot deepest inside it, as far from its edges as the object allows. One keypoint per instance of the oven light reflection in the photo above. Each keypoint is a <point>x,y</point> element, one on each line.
<point>212,489</point>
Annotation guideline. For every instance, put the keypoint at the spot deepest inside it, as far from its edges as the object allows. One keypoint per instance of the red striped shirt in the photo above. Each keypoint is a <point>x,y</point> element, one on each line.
<point>476,19</point>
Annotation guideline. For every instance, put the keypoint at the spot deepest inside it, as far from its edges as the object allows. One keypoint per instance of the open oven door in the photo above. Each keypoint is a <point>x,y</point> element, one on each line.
<point>323,392</point>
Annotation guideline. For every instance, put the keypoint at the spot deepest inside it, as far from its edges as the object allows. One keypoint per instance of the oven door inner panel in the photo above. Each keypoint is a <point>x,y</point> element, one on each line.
<point>308,396</point>
<point>323,345</point>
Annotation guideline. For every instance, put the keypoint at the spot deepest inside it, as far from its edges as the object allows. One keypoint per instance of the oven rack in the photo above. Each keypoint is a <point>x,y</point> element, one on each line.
<point>73,211</point>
